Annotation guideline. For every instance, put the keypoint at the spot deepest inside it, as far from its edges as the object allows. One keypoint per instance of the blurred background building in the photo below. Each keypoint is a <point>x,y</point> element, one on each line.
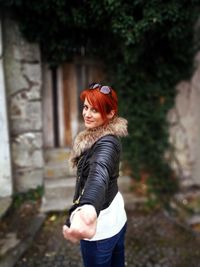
<point>40,114</point>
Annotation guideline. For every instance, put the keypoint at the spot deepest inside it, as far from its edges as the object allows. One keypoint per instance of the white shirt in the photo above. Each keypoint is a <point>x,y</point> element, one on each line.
<point>111,220</point>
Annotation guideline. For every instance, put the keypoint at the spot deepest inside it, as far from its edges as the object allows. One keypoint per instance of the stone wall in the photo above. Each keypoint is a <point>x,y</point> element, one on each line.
<point>5,161</point>
<point>184,130</point>
<point>23,84</point>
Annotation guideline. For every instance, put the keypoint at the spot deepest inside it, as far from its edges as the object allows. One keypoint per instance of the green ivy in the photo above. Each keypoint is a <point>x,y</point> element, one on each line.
<point>33,195</point>
<point>147,47</point>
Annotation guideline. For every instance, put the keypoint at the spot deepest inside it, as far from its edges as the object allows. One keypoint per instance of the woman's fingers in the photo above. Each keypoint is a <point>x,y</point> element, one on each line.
<point>68,234</point>
<point>76,233</point>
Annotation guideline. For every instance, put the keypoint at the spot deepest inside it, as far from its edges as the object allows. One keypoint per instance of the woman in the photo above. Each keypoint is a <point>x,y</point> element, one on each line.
<point>98,218</point>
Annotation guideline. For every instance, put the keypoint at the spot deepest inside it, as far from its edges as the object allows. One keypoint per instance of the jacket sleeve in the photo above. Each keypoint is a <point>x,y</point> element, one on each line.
<point>104,164</point>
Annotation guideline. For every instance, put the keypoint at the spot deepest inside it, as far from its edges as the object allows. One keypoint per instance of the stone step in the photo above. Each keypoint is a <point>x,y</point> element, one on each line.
<point>56,155</point>
<point>57,163</point>
<point>59,193</point>
<point>59,188</point>
<point>56,206</point>
<point>58,170</point>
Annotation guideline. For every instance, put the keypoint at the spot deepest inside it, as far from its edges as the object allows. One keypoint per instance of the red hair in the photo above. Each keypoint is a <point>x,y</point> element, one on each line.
<point>103,103</point>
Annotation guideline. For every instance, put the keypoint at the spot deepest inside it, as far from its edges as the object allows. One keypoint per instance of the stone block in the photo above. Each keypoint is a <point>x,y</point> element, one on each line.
<point>14,79</point>
<point>30,139</point>
<point>182,98</point>
<point>29,118</point>
<point>18,105</point>
<point>32,72</point>
<point>27,51</point>
<point>5,180</point>
<point>172,116</point>
<point>26,151</point>
<point>19,48</point>
<point>180,140</point>
<point>22,125</point>
<point>34,93</point>
<point>5,161</point>
<point>26,179</point>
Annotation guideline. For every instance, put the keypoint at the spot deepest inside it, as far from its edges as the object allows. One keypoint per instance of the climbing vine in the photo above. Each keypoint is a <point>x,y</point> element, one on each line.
<point>147,47</point>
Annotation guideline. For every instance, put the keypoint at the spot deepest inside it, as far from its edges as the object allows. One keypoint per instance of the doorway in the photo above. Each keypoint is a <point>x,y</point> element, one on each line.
<point>62,109</point>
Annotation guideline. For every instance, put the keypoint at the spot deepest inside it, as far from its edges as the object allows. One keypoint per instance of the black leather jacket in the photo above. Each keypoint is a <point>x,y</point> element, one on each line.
<point>97,173</point>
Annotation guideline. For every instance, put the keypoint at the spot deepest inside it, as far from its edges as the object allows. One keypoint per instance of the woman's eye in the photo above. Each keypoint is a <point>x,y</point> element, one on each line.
<point>85,107</point>
<point>94,110</point>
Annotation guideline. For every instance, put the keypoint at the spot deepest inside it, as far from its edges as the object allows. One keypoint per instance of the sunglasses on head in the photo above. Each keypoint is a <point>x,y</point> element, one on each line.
<point>104,89</point>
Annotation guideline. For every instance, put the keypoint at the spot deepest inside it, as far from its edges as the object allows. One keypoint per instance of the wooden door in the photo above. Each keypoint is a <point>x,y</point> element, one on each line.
<point>62,109</point>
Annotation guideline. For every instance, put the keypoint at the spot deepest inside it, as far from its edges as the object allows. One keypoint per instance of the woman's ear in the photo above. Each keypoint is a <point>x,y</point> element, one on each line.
<point>111,114</point>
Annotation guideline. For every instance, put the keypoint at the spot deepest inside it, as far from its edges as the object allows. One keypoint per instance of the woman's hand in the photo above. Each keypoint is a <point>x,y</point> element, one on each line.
<point>83,224</point>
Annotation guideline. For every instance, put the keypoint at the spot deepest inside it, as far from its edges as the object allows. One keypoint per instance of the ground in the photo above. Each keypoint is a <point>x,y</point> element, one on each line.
<point>18,218</point>
<point>154,239</point>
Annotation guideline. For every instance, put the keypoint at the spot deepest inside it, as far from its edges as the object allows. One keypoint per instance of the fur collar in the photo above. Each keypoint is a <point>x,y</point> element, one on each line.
<point>85,139</point>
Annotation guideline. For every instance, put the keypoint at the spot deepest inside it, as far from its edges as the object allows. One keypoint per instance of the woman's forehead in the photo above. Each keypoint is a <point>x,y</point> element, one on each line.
<point>86,102</point>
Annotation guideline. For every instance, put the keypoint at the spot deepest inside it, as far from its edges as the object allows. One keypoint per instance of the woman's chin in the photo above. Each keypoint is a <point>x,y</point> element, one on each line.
<point>88,125</point>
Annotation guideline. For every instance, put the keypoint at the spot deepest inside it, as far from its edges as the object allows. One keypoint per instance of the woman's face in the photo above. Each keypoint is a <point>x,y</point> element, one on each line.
<point>91,116</point>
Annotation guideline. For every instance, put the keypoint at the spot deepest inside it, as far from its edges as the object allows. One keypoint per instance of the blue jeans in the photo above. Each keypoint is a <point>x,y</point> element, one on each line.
<point>107,252</point>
